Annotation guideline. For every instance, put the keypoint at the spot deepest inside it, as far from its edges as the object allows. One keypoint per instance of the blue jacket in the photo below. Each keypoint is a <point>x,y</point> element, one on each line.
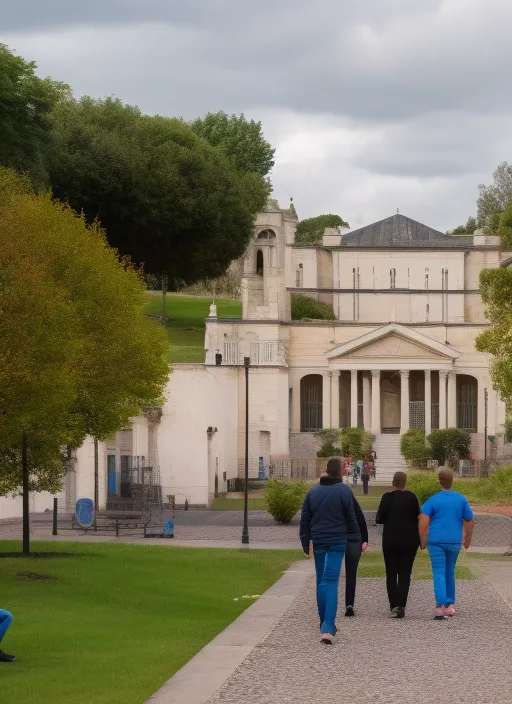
<point>328,515</point>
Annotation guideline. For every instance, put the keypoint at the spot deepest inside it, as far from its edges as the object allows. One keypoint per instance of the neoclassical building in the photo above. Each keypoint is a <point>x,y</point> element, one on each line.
<point>400,353</point>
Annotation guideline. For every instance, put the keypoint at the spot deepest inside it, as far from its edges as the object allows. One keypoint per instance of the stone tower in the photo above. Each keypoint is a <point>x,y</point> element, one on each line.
<point>264,292</point>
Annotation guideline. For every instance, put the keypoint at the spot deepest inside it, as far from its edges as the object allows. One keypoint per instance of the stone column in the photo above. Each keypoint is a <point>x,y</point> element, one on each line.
<point>326,400</point>
<point>335,399</point>
<point>353,398</point>
<point>442,398</point>
<point>367,408</point>
<point>452,400</point>
<point>428,402</point>
<point>404,400</point>
<point>376,401</point>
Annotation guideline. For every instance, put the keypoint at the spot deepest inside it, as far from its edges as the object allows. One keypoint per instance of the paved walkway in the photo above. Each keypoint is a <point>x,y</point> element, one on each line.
<point>492,532</point>
<point>374,661</point>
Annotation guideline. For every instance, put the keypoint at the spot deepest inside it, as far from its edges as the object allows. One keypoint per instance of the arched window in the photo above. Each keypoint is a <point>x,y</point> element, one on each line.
<point>259,262</point>
<point>311,392</point>
<point>266,235</point>
<point>467,402</point>
<point>392,278</point>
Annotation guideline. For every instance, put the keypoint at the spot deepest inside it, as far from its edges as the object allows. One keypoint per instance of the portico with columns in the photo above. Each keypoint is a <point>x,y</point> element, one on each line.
<point>394,378</point>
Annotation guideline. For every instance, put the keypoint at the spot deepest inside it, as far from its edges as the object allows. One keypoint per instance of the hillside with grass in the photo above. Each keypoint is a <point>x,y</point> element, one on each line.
<point>185,326</point>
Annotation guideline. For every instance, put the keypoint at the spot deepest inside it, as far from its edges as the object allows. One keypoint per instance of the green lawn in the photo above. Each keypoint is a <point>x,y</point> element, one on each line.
<point>367,503</point>
<point>111,623</point>
<point>372,565</point>
<point>186,327</point>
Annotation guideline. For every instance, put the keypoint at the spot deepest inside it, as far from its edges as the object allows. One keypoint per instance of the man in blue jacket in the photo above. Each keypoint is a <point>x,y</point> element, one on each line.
<point>328,515</point>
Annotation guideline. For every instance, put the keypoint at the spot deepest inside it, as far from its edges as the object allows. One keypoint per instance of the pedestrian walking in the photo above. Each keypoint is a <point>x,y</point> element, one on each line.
<point>328,516</point>
<point>398,514</point>
<point>365,478</point>
<point>356,544</point>
<point>5,622</point>
<point>446,523</point>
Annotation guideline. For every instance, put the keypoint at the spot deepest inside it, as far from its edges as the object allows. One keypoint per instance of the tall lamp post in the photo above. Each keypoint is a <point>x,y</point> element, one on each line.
<point>486,406</point>
<point>245,531</point>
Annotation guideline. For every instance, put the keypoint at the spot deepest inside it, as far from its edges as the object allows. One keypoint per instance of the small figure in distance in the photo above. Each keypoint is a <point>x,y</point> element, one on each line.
<point>446,523</point>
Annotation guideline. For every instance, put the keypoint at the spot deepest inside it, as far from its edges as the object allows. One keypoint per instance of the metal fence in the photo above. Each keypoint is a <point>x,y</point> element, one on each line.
<point>294,469</point>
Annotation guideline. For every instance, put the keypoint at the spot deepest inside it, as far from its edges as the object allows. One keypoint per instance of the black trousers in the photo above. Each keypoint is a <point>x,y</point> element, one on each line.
<point>352,557</point>
<point>398,574</point>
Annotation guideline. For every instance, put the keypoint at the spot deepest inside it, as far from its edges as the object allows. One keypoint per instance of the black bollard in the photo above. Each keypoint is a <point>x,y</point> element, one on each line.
<point>55,506</point>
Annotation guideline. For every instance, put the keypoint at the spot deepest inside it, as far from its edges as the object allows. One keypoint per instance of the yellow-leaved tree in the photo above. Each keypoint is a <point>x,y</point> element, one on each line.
<point>78,356</point>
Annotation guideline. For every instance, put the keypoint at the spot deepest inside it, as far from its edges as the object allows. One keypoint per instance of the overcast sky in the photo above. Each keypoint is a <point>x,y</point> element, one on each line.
<point>373,105</point>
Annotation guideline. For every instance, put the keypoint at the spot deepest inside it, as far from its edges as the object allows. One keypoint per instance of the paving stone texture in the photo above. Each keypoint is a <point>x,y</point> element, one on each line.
<point>376,660</point>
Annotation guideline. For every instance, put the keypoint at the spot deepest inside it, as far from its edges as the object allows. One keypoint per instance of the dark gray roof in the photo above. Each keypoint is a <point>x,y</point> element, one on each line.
<point>399,231</point>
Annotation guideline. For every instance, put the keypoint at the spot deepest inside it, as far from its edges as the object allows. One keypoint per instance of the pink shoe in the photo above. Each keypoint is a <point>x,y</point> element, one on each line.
<point>440,614</point>
<point>450,610</point>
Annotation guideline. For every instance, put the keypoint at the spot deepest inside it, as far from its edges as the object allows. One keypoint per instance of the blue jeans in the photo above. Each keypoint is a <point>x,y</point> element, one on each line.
<point>5,622</point>
<point>443,557</point>
<point>328,560</point>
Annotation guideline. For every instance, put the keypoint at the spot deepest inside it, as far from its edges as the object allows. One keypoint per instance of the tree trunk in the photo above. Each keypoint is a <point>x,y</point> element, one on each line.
<point>26,505</point>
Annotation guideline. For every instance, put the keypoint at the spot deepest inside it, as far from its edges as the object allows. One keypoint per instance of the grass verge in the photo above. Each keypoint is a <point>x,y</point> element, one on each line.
<point>370,502</point>
<point>186,327</point>
<point>372,565</point>
<point>109,624</point>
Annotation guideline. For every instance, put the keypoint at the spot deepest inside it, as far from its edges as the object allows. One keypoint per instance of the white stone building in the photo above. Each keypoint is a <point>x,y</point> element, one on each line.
<point>401,353</point>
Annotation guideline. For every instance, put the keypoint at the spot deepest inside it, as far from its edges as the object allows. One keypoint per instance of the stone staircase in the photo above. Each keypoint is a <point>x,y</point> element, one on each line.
<point>389,460</point>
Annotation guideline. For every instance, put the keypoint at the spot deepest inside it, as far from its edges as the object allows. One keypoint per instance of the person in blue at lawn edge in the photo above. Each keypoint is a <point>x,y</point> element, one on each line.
<point>328,516</point>
<point>446,522</point>
<point>5,622</point>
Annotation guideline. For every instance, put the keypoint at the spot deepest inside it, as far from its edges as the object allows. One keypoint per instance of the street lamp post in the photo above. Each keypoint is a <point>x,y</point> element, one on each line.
<point>245,531</point>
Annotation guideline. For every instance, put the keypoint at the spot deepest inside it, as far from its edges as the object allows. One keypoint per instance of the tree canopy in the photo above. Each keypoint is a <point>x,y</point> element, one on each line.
<point>495,199</point>
<point>311,230</point>
<point>165,196</point>
<point>240,139</point>
<point>467,229</point>
<point>77,355</point>
<point>496,290</point>
<point>25,105</point>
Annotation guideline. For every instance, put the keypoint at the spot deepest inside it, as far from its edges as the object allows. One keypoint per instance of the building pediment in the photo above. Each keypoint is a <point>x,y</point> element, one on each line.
<point>393,344</point>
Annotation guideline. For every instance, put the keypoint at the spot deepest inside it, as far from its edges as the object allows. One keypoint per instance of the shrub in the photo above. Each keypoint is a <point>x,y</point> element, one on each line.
<point>424,485</point>
<point>284,498</point>
<point>449,445</point>
<point>415,448</point>
<point>331,443</point>
<point>354,443</point>
<point>306,308</point>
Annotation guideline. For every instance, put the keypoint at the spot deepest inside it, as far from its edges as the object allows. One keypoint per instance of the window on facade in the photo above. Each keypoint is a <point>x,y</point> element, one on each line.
<point>259,262</point>
<point>392,278</point>
<point>266,235</point>
<point>467,402</point>
<point>426,277</point>
<point>311,403</point>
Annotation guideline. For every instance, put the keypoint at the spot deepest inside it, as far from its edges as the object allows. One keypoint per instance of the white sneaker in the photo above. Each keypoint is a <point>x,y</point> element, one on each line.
<point>327,638</point>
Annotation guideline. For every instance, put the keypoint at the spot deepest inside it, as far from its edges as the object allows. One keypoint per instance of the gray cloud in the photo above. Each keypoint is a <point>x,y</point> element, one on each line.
<point>372,105</point>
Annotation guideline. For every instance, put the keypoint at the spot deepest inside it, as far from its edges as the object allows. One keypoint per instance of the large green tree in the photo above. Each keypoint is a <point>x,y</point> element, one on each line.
<point>165,196</point>
<point>495,198</point>
<point>78,356</point>
<point>25,105</point>
<point>241,139</point>
<point>496,289</point>
<point>311,230</point>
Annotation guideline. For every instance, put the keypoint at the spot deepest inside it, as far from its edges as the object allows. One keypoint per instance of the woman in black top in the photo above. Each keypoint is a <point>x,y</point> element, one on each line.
<point>398,513</point>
